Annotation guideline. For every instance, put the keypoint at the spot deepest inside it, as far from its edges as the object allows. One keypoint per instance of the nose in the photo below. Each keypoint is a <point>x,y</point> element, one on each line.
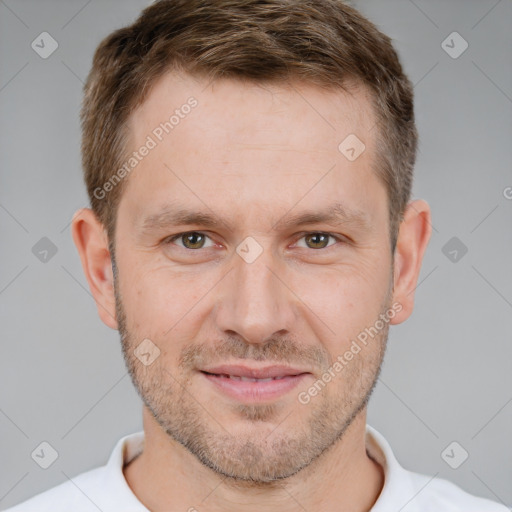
<point>256,301</point>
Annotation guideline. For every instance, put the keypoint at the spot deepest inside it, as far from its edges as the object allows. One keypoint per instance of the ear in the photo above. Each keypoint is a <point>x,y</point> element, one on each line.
<point>91,241</point>
<point>413,237</point>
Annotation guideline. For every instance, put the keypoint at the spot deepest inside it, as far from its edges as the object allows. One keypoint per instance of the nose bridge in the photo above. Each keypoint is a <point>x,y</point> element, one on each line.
<point>256,303</point>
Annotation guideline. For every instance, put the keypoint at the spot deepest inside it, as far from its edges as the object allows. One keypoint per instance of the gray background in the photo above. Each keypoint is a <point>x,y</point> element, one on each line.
<point>447,376</point>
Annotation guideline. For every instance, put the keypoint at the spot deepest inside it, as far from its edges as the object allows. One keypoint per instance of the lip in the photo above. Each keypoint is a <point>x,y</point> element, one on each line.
<point>284,380</point>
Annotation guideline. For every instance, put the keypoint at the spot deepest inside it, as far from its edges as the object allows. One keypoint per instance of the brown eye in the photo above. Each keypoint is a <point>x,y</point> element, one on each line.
<point>190,240</point>
<point>317,240</point>
<point>193,240</point>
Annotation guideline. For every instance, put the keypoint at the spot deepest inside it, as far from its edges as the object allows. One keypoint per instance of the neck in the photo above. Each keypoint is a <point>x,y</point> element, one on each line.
<point>166,475</point>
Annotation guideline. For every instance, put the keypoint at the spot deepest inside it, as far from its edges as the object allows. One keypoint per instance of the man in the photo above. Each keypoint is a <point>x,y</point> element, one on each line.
<point>249,166</point>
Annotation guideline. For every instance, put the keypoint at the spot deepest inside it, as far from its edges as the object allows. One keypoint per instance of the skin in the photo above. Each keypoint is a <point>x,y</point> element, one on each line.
<point>253,155</point>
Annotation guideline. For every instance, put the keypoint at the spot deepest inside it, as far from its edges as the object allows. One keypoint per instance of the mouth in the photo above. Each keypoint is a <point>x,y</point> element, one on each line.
<point>248,384</point>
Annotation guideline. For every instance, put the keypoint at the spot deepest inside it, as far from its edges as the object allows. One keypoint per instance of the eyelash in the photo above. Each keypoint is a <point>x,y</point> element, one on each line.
<point>169,240</point>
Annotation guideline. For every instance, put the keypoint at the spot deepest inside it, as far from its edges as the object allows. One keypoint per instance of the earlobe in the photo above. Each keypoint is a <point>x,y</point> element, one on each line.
<point>413,237</point>
<point>92,244</point>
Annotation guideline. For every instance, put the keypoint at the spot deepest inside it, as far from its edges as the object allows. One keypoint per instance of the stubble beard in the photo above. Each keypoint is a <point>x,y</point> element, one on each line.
<point>265,449</point>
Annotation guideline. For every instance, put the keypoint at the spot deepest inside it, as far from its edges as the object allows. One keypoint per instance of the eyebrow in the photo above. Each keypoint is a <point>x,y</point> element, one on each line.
<point>336,214</point>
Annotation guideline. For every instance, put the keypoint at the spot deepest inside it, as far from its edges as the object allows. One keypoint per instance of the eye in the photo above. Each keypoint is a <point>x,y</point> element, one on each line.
<point>318,240</point>
<point>191,239</point>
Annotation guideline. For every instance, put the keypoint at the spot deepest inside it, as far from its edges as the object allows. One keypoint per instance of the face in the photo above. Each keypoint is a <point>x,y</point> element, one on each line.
<point>218,265</point>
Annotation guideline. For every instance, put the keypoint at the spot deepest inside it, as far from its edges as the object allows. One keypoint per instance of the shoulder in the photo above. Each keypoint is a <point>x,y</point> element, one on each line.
<point>435,494</point>
<point>103,488</point>
<point>409,491</point>
<point>76,494</point>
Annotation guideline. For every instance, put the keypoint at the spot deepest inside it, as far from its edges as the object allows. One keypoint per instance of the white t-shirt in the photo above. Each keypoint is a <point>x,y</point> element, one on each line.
<point>105,488</point>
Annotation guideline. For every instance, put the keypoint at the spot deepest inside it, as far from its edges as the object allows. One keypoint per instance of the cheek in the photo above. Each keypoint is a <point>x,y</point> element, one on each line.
<point>156,300</point>
<point>340,305</point>
<point>341,298</point>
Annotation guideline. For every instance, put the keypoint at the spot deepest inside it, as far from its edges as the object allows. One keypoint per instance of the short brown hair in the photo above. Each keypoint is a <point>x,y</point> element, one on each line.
<point>321,42</point>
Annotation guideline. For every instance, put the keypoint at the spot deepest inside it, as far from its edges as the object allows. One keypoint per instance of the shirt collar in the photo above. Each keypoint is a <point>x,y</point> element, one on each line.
<point>399,489</point>
<point>115,485</point>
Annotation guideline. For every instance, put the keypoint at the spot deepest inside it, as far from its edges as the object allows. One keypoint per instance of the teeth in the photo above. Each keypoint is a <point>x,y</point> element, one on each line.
<point>249,379</point>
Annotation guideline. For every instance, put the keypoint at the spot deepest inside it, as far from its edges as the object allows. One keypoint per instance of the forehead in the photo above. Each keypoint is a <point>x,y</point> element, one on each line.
<point>248,111</point>
<point>251,144</point>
